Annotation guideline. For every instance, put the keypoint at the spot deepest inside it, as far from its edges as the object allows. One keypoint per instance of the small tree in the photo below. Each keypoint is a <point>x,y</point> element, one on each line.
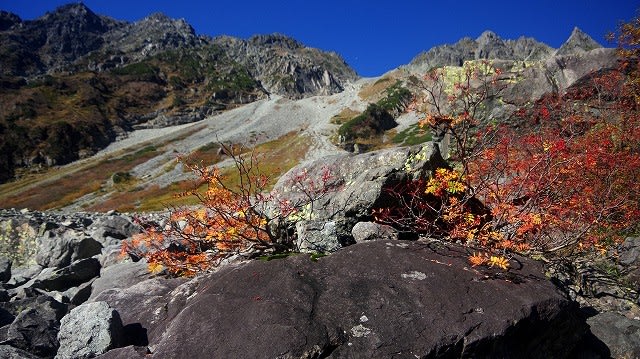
<point>561,183</point>
<point>240,218</point>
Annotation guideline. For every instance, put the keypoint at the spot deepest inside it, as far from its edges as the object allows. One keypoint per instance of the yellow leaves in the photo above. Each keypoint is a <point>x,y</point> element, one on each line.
<point>499,261</point>
<point>477,259</point>
<point>155,267</point>
<point>200,214</point>
<point>445,180</point>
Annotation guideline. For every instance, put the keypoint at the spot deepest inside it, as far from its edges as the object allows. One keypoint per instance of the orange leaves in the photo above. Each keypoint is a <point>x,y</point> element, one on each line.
<point>562,177</point>
<point>491,261</point>
<point>234,219</point>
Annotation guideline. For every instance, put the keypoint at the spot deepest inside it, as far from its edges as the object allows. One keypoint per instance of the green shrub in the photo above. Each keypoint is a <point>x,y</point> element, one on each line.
<point>413,135</point>
<point>121,177</point>
<point>396,99</point>
<point>373,121</point>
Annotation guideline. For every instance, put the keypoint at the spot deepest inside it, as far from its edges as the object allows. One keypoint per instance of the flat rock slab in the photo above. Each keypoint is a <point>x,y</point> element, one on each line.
<point>378,299</point>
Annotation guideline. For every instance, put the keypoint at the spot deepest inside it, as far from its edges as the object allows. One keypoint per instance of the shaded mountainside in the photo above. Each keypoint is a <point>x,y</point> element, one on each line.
<point>72,81</point>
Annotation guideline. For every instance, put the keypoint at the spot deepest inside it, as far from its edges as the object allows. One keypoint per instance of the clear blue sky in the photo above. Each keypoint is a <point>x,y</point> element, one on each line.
<point>373,36</point>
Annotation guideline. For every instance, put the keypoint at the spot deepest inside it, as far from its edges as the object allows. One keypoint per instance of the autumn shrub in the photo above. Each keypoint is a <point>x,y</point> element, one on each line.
<point>560,183</point>
<point>239,218</point>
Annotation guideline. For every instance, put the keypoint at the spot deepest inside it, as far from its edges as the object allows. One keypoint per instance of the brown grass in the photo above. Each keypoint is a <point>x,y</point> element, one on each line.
<point>273,158</point>
<point>344,116</point>
<point>374,91</point>
<point>71,186</point>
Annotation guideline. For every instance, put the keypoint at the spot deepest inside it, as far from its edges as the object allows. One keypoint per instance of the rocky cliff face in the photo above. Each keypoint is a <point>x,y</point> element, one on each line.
<point>51,42</point>
<point>578,42</point>
<point>285,66</point>
<point>73,38</point>
<point>491,47</point>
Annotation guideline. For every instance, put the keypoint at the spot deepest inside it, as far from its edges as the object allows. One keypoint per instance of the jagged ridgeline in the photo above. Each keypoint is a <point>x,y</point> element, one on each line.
<point>72,81</point>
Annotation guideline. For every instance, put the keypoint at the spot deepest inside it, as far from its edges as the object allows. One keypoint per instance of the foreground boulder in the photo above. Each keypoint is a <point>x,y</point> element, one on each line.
<point>376,299</point>
<point>89,330</point>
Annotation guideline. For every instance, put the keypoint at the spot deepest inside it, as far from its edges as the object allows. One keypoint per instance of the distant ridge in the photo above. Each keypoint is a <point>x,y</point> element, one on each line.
<point>491,46</point>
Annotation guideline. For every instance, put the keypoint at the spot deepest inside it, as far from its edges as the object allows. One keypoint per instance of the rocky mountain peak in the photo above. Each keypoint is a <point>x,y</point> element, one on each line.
<point>578,42</point>
<point>64,35</point>
<point>491,46</point>
<point>161,22</point>
<point>8,19</point>
<point>154,34</point>
<point>276,40</point>
<point>286,67</point>
<point>71,14</point>
<point>488,36</point>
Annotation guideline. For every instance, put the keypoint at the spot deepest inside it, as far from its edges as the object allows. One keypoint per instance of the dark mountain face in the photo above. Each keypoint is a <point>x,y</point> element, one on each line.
<point>74,39</point>
<point>52,41</point>
<point>7,20</point>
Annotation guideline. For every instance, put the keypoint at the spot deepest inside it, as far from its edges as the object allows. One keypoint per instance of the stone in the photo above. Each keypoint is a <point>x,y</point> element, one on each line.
<point>89,330</point>
<point>111,255</point>
<point>59,249</point>
<point>5,269</point>
<point>317,236</point>
<point>357,185</point>
<point>128,352</point>
<point>368,231</point>
<point>122,275</point>
<point>620,334</point>
<point>9,352</point>
<point>144,303</point>
<point>64,278</point>
<point>80,294</point>
<point>113,229</point>
<point>35,328</point>
<point>629,252</point>
<point>373,299</point>
<point>21,276</point>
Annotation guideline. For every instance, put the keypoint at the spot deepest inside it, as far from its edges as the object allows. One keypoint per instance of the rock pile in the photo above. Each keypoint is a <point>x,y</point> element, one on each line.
<point>65,293</point>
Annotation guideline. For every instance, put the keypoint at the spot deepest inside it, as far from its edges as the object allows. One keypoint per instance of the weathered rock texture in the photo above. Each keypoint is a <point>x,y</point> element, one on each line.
<point>358,185</point>
<point>285,66</point>
<point>377,299</point>
<point>89,330</point>
<point>490,46</point>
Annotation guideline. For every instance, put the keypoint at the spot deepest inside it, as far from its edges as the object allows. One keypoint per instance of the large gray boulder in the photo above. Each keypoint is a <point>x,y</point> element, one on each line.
<point>89,330</point>
<point>376,299</point>
<point>145,304</point>
<point>371,231</point>
<point>357,184</point>
<point>113,229</point>
<point>121,275</point>
<point>57,248</point>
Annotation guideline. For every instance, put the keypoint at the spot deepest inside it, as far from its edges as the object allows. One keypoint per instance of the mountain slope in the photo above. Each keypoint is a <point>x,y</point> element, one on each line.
<point>128,106</point>
<point>71,82</point>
